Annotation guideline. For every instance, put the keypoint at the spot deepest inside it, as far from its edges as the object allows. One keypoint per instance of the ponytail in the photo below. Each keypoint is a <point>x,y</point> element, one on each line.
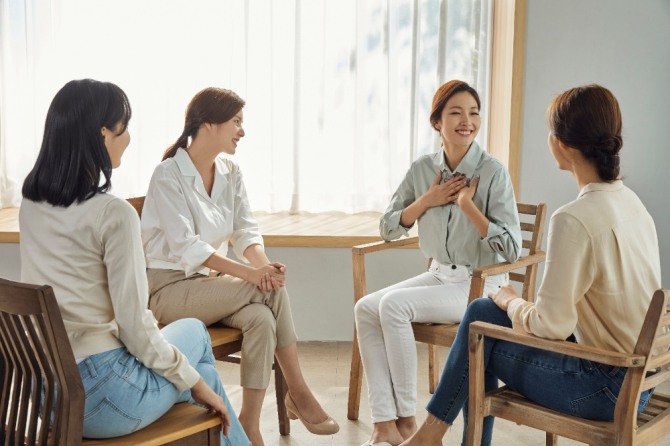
<point>211,105</point>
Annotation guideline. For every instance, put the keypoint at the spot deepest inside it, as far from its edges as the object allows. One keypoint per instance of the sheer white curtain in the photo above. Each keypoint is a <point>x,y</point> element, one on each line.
<point>338,92</point>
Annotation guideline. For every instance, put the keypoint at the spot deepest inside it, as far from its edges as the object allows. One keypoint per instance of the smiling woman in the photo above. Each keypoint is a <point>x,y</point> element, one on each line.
<point>462,225</point>
<point>195,207</point>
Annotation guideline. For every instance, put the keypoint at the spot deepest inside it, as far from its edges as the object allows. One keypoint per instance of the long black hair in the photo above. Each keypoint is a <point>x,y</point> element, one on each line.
<point>73,152</point>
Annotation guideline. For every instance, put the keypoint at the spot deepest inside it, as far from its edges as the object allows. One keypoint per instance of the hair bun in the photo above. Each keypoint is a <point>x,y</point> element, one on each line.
<point>609,144</point>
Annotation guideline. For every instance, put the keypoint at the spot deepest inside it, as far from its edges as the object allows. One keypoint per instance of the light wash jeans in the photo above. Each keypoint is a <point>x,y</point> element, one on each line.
<point>122,395</point>
<point>562,383</point>
<point>384,326</point>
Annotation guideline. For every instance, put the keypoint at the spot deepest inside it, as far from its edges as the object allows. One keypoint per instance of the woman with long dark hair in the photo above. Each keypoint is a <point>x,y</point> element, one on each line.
<point>85,243</point>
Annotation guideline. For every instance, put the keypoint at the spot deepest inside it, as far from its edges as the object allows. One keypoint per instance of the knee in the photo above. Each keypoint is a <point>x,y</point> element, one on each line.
<point>481,309</point>
<point>366,308</point>
<point>281,294</point>
<point>262,320</point>
<point>392,305</point>
<point>193,327</point>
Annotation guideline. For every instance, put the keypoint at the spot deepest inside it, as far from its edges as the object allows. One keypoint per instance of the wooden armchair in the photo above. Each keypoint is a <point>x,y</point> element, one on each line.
<point>648,366</point>
<point>40,378</point>
<point>227,343</point>
<point>523,270</point>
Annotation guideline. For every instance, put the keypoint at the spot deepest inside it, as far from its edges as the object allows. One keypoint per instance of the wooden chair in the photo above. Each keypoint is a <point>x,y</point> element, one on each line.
<point>648,366</point>
<point>532,226</point>
<point>227,343</point>
<point>35,355</point>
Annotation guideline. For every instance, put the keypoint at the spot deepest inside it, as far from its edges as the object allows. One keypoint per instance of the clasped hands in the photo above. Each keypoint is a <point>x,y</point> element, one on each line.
<point>270,277</point>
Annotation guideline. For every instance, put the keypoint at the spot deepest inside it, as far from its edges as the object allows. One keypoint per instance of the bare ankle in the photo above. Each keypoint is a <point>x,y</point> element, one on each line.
<point>406,426</point>
<point>386,431</point>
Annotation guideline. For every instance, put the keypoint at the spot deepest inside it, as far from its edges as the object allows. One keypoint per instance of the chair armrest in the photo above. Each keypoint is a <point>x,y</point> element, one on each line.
<point>563,347</point>
<point>505,267</point>
<point>412,242</point>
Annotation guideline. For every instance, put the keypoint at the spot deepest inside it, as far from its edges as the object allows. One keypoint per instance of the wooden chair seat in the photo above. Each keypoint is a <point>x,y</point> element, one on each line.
<point>647,367</point>
<point>185,424</point>
<point>524,271</point>
<point>435,334</point>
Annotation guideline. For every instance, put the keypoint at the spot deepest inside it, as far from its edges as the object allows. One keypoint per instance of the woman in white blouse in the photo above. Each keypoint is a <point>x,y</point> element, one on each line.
<point>195,206</point>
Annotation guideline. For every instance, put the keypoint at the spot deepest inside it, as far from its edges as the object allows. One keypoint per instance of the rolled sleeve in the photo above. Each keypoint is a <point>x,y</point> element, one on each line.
<point>193,257</point>
<point>389,224</point>
<point>390,227</point>
<point>504,232</point>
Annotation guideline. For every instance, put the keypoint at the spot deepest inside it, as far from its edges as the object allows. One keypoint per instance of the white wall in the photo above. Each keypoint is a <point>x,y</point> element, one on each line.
<point>621,44</point>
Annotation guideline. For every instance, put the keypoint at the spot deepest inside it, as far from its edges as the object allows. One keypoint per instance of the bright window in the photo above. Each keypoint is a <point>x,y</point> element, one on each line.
<point>338,92</point>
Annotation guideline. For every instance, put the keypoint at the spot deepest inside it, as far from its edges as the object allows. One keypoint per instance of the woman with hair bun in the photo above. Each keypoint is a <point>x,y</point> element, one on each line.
<point>463,202</point>
<point>603,265</point>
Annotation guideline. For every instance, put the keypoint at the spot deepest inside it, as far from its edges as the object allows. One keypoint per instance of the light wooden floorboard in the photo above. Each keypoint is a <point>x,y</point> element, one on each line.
<point>326,369</point>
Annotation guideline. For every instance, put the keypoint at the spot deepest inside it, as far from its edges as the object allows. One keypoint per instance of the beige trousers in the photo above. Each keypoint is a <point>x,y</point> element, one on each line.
<point>264,317</point>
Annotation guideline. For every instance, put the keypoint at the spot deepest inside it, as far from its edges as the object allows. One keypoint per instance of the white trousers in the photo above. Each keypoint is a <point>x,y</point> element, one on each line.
<point>384,326</point>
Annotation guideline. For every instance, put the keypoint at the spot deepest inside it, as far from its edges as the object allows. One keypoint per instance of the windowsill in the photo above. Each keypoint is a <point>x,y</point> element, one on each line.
<point>318,230</point>
<point>9,225</point>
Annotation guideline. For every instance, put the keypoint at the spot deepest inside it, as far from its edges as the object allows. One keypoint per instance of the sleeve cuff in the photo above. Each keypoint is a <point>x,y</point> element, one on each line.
<point>244,242</point>
<point>513,306</point>
<point>195,256</point>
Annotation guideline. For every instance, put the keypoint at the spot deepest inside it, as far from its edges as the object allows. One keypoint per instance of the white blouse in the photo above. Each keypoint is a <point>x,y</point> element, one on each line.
<point>182,226</point>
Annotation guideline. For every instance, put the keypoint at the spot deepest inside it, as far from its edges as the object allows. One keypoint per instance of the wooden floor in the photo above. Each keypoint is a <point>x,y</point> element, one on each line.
<point>326,369</point>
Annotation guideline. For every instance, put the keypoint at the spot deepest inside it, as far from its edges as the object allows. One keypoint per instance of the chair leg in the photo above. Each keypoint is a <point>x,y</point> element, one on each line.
<point>433,368</point>
<point>280,389</point>
<point>355,381</point>
<point>552,439</point>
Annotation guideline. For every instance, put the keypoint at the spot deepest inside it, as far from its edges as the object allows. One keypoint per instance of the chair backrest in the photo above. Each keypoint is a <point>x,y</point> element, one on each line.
<point>532,217</point>
<point>137,203</point>
<point>524,270</point>
<point>40,379</point>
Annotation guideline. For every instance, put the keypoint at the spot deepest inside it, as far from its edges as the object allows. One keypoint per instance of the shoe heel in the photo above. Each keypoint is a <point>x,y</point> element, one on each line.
<point>291,415</point>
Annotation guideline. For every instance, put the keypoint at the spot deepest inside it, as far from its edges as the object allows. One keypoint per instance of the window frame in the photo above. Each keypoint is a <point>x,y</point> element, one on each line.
<point>506,88</point>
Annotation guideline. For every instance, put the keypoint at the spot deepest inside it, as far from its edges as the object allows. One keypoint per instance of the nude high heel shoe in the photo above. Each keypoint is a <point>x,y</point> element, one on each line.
<point>327,427</point>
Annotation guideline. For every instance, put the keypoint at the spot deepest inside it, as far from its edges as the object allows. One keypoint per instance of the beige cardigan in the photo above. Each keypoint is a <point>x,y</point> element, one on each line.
<point>91,254</point>
<point>603,264</point>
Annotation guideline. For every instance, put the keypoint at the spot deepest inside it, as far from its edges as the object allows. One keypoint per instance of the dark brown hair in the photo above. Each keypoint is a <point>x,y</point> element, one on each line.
<point>444,93</point>
<point>588,119</point>
<point>208,106</point>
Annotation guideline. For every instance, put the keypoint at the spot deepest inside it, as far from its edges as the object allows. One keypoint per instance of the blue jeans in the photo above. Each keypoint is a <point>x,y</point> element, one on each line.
<point>122,395</point>
<point>562,383</point>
